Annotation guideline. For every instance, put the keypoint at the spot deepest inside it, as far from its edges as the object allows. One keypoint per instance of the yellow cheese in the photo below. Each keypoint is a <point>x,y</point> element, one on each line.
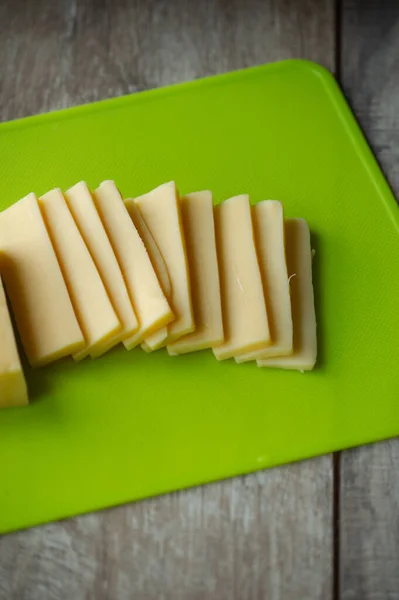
<point>149,301</point>
<point>245,320</point>
<point>157,339</point>
<point>299,262</point>
<point>160,210</point>
<point>199,231</point>
<point>81,205</point>
<point>39,297</point>
<point>268,221</point>
<point>13,391</point>
<point>93,309</point>
<point>153,251</point>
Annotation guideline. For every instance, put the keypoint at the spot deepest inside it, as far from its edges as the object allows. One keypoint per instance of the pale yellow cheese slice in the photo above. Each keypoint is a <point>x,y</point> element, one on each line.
<point>153,251</point>
<point>199,231</point>
<point>36,288</point>
<point>245,319</point>
<point>13,390</point>
<point>149,301</point>
<point>93,308</point>
<point>268,219</point>
<point>160,210</point>
<point>157,339</point>
<point>85,214</point>
<point>299,262</point>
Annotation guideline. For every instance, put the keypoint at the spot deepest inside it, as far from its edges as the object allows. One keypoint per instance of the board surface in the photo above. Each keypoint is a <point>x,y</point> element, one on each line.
<point>131,425</point>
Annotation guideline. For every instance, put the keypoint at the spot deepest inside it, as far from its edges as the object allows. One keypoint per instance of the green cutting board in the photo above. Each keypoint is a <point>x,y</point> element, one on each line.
<point>132,425</point>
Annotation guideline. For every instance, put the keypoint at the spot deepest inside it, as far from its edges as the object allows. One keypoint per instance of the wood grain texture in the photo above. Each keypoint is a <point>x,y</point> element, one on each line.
<point>369,505</point>
<point>66,52</point>
<point>370,75</point>
<point>267,535</point>
<point>369,522</point>
<point>261,536</point>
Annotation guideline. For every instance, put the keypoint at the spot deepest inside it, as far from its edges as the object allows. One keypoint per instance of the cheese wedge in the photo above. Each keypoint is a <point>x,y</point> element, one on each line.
<point>199,231</point>
<point>39,297</point>
<point>245,320</point>
<point>299,261</point>
<point>85,214</point>
<point>13,390</point>
<point>93,309</point>
<point>160,210</point>
<point>155,340</point>
<point>149,301</point>
<point>268,219</point>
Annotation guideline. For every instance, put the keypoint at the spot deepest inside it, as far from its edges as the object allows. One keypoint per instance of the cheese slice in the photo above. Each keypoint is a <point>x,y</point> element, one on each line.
<point>13,390</point>
<point>39,297</point>
<point>85,214</point>
<point>160,210</point>
<point>93,309</point>
<point>299,261</point>
<point>199,231</point>
<point>151,246</point>
<point>268,219</point>
<point>245,319</point>
<point>149,301</point>
<point>157,339</point>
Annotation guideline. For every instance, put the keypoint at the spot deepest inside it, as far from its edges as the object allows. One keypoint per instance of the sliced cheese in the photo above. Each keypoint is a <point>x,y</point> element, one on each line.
<point>268,218</point>
<point>157,339</point>
<point>39,297</point>
<point>160,210</point>
<point>13,390</point>
<point>151,246</point>
<point>85,214</point>
<point>299,261</point>
<point>93,309</point>
<point>245,320</point>
<point>199,231</point>
<point>149,301</point>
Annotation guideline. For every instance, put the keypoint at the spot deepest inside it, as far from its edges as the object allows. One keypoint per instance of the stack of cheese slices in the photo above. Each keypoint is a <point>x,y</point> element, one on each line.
<point>86,271</point>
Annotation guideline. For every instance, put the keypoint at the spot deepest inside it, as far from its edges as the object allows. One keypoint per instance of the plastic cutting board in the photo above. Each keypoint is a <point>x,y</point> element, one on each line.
<point>132,425</point>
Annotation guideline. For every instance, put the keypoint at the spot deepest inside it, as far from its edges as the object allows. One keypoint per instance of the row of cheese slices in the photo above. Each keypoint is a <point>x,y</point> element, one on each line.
<point>85,271</point>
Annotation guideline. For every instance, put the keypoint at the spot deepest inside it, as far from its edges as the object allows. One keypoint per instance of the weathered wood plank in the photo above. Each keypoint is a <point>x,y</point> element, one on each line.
<point>262,536</point>
<point>370,75</point>
<point>265,535</point>
<point>369,523</point>
<point>369,531</point>
<point>62,53</point>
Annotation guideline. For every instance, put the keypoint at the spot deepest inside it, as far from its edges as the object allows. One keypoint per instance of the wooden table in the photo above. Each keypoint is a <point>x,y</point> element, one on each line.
<point>323,529</point>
